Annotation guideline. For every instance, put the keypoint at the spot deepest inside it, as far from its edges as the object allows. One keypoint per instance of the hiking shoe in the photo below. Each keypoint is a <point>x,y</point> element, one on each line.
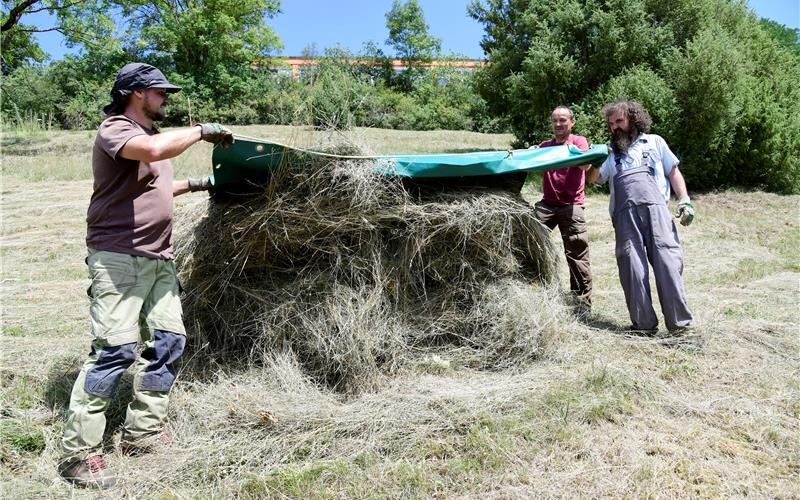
<point>90,472</point>
<point>146,445</point>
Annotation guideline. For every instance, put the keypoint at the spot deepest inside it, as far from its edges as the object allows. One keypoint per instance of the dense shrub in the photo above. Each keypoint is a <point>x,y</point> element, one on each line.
<point>721,86</point>
<point>335,93</point>
<point>29,90</point>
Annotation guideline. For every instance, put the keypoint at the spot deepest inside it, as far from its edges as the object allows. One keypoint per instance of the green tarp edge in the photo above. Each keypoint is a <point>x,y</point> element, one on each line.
<point>251,160</point>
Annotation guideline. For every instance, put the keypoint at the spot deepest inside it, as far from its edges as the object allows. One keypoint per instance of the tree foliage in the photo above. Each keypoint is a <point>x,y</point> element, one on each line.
<point>206,44</point>
<point>408,33</point>
<point>789,38</point>
<point>18,46</point>
<point>209,39</point>
<point>721,89</point>
<point>205,38</point>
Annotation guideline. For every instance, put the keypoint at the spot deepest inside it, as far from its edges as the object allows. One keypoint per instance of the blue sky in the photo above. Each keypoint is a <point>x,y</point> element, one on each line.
<point>351,23</point>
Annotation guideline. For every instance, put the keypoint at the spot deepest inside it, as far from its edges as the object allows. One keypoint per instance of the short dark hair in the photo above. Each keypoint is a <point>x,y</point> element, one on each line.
<point>634,111</point>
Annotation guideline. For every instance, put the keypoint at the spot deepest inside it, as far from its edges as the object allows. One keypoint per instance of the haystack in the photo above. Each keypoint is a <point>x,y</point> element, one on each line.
<point>357,274</point>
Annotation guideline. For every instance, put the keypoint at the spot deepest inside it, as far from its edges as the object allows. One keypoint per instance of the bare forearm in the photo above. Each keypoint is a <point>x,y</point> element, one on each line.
<point>180,187</point>
<point>678,183</point>
<point>172,143</point>
<point>592,174</point>
<point>163,146</point>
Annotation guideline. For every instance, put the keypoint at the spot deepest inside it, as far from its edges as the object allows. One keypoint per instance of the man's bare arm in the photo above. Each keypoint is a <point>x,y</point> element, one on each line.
<point>180,187</point>
<point>163,146</point>
<point>678,183</point>
<point>592,174</point>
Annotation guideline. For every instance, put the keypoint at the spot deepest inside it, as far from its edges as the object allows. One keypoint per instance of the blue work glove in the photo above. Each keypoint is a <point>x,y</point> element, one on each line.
<point>685,211</point>
<point>216,134</point>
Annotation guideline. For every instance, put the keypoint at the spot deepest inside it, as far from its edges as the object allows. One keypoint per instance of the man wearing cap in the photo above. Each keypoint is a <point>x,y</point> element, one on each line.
<point>134,289</point>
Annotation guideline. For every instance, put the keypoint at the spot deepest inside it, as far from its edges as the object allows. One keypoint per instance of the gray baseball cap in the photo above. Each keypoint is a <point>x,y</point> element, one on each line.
<point>135,76</point>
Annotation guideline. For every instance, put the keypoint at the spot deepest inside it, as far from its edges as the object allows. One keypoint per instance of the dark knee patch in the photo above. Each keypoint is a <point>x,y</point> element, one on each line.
<point>103,377</point>
<point>160,373</point>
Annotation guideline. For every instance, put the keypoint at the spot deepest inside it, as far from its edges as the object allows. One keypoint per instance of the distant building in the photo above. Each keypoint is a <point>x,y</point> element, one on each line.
<point>294,65</point>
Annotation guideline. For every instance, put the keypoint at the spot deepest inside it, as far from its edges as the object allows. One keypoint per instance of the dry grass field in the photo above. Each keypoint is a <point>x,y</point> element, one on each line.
<point>602,414</point>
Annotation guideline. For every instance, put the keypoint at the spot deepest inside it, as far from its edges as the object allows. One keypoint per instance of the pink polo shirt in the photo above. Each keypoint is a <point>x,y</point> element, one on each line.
<point>564,186</point>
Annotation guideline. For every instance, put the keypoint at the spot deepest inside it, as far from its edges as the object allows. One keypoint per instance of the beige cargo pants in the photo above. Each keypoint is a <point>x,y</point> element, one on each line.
<point>134,304</point>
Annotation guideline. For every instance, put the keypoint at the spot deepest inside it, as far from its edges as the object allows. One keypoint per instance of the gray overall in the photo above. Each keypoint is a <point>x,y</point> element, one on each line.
<point>644,229</point>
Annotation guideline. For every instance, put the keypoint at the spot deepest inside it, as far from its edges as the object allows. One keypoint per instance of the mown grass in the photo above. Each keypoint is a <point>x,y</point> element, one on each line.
<point>603,414</point>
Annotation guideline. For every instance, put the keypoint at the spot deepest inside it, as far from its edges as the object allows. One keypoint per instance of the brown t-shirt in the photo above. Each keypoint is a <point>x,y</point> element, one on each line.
<point>131,207</point>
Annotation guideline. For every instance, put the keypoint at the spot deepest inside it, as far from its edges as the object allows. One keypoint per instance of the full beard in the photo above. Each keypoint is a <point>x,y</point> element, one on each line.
<point>156,115</point>
<point>621,140</point>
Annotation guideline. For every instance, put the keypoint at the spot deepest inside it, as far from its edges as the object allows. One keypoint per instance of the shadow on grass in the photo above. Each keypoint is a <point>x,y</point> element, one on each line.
<point>688,339</point>
<point>603,323</point>
<point>622,329</point>
<point>58,389</point>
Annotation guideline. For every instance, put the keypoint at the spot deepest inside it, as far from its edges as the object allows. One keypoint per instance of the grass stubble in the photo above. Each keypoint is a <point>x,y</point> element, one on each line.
<point>596,413</point>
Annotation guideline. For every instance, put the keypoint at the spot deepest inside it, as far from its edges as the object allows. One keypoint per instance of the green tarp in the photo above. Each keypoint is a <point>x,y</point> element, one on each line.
<point>250,161</point>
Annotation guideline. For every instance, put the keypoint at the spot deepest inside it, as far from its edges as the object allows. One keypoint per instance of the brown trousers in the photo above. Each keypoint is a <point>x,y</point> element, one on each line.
<point>572,224</point>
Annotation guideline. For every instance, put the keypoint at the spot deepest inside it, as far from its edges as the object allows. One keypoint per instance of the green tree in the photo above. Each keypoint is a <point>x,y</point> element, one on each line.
<point>718,85</point>
<point>550,52</point>
<point>333,92</point>
<point>83,23</point>
<point>205,45</point>
<point>17,43</point>
<point>408,33</point>
<point>785,36</point>
<point>28,89</point>
<point>375,63</point>
<point>201,37</point>
<point>207,39</point>
<point>444,99</point>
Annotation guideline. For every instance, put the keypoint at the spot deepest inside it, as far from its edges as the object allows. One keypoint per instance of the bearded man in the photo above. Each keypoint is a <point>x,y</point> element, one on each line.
<point>134,291</point>
<point>640,171</point>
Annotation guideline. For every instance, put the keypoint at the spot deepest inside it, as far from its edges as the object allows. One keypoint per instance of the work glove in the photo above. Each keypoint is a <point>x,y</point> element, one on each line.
<point>216,134</point>
<point>685,211</point>
<point>203,184</point>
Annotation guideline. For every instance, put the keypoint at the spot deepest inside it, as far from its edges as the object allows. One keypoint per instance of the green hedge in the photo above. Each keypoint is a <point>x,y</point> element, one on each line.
<point>333,94</point>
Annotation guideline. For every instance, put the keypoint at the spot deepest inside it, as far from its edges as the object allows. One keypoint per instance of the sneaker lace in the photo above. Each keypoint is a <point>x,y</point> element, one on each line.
<point>96,463</point>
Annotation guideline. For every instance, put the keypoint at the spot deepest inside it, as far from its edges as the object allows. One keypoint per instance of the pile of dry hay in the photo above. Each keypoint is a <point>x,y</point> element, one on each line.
<point>356,273</point>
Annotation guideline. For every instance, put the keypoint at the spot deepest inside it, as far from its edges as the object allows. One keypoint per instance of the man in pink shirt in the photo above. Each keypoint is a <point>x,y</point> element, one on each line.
<point>562,206</point>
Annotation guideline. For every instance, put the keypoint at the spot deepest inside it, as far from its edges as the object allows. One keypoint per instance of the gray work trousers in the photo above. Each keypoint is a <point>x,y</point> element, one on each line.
<point>647,233</point>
